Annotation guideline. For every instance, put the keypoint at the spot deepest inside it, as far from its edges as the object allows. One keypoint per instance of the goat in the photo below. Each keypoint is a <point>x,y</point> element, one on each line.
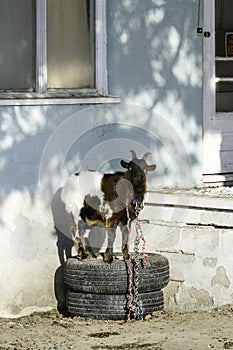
<point>99,199</point>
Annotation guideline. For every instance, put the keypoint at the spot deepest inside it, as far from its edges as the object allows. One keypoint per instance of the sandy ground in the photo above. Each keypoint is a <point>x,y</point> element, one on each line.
<point>163,331</point>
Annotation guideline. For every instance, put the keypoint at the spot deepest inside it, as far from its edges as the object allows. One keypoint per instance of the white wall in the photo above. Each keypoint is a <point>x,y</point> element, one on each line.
<point>154,63</point>
<point>194,231</point>
<point>27,254</point>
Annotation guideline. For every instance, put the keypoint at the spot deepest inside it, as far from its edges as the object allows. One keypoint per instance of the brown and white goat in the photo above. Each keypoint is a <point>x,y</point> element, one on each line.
<point>106,200</point>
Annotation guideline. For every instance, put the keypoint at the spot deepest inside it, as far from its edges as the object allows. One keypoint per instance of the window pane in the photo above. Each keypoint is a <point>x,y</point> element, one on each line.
<point>70,44</point>
<point>223,24</point>
<point>17,42</point>
<point>224,96</point>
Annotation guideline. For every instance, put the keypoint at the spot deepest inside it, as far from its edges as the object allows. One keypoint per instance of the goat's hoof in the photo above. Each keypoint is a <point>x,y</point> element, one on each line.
<point>125,256</point>
<point>125,253</point>
<point>108,258</point>
<point>91,255</point>
<point>82,254</point>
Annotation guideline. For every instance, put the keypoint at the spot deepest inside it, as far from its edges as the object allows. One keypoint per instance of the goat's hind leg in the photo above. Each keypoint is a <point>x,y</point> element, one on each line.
<point>75,229</point>
<point>85,248</point>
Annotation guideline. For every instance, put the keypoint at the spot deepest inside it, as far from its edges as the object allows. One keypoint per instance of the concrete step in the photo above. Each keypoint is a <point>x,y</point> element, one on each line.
<point>188,207</point>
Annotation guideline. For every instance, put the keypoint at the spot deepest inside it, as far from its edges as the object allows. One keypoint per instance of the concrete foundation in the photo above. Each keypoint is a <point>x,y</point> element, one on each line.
<point>193,230</point>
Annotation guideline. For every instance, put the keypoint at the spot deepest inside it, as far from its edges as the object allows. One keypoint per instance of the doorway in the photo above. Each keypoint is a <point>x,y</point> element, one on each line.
<point>218,91</point>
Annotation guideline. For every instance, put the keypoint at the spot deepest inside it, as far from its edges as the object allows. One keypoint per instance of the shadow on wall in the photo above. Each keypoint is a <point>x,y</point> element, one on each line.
<point>62,224</point>
<point>24,131</point>
<point>155,60</point>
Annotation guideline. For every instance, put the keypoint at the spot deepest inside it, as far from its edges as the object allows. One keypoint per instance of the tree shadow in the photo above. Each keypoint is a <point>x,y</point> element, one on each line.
<point>157,60</point>
<point>62,224</point>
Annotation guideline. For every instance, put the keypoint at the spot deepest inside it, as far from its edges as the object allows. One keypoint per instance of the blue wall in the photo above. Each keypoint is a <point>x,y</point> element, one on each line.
<point>154,62</point>
<point>155,66</point>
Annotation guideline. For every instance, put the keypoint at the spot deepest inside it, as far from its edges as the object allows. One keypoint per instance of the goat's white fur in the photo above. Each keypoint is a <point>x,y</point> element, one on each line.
<point>77,187</point>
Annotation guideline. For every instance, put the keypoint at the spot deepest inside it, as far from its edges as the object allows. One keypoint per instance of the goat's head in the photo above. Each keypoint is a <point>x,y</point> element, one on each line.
<point>137,171</point>
<point>138,168</point>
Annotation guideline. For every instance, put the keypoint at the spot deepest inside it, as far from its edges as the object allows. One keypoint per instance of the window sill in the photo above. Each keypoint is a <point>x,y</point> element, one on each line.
<point>55,98</point>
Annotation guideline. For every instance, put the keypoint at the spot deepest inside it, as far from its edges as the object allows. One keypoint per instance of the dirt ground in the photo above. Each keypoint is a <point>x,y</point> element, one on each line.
<point>163,331</point>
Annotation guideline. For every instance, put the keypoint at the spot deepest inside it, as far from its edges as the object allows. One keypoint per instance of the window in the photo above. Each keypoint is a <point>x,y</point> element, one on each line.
<point>52,50</point>
<point>70,44</point>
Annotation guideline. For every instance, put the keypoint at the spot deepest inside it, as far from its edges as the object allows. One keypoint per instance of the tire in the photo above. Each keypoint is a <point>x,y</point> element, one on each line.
<point>110,307</point>
<point>95,276</point>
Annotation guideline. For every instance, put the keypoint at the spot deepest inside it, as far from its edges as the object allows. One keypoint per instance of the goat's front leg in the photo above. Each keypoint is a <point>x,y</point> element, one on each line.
<point>78,228</point>
<point>108,255</point>
<point>125,242</point>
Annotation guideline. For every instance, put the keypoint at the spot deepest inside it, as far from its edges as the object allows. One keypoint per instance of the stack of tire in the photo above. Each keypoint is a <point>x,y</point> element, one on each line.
<point>101,291</point>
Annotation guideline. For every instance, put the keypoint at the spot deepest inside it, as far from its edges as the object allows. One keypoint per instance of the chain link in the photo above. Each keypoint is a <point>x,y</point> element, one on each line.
<point>135,305</point>
<point>137,302</point>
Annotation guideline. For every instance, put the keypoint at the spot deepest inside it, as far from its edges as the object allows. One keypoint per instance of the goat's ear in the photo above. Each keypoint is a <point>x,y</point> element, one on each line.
<point>124,164</point>
<point>151,167</point>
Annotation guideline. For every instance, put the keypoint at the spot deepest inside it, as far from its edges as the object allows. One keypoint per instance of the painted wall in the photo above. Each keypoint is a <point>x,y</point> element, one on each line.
<point>155,65</point>
<point>155,61</point>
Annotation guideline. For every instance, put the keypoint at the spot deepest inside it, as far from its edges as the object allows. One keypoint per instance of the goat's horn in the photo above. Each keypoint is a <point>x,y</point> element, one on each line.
<point>133,154</point>
<point>146,155</point>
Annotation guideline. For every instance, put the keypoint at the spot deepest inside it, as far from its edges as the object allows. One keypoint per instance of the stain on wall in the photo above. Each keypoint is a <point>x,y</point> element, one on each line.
<point>221,278</point>
<point>210,262</point>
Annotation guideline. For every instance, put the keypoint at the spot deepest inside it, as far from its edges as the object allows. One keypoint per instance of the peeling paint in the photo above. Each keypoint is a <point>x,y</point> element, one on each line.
<point>189,298</point>
<point>214,241</point>
<point>221,278</point>
<point>202,297</point>
<point>170,294</point>
<point>210,262</point>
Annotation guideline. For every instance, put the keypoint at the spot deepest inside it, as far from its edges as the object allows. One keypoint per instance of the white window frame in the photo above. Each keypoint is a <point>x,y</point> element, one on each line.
<point>66,96</point>
<point>217,126</point>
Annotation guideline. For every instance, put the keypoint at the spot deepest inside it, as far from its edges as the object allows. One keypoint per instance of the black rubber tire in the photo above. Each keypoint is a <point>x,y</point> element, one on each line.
<point>110,307</point>
<point>95,276</point>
